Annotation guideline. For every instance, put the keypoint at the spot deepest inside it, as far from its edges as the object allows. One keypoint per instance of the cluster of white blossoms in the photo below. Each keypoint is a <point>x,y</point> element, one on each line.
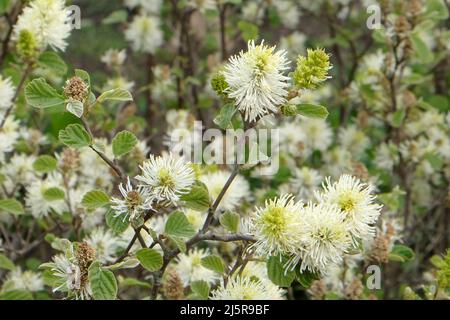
<point>164,179</point>
<point>47,21</point>
<point>316,235</point>
<point>256,80</point>
<point>7,91</point>
<point>144,33</point>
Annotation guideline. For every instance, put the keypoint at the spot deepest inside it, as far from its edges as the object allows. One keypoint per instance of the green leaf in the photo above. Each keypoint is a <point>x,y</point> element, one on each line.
<point>150,259</point>
<point>75,107</point>
<point>54,194</point>
<point>223,119</point>
<point>6,263</point>
<point>4,4</point>
<point>84,76</point>
<point>436,9</point>
<point>103,282</point>
<point>397,118</point>
<point>177,225</point>
<point>421,49</point>
<point>11,206</point>
<point>312,111</point>
<point>198,197</point>
<point>117,223</point>
<point>306,278</point>
<point>249,30</point>
<point>39,94</point>
<point>45,164</point>
<point>117,16</point>
<point>277,273</point>
<point>201,289</point>
<point>123,143</point>
<point>75,136</point>
<point>401,253</point>
<point>230,221</point>
<point>179,243</point>
<point>124,264</point>
<point>16,295</point>
<point>128,282</point>
<point>95,199</point>
<point>117,94</point>
<point>52,61</point>
<point>214,263</point>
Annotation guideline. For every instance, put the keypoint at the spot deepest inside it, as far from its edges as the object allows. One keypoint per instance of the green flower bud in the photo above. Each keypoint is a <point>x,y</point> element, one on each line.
<point>312,69</point>
<point>289,110</point>
<point>26,46</point>
<point>219,84</point>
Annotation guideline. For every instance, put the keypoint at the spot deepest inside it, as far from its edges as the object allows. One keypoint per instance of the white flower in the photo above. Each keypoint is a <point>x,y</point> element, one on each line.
<point>324,237</point>
<point>144,33</point>
<point>353,140</point>
<point>243,288</point>
<point>150,6</point>
<point>317,133</point>
<point>387,156</point>
<point>166,178</point>
<point>36,201</point>
<point>8,136</point>
<point>238,190</point>
<point>18,171</point>
<point>114,58</point>
<point>356,201</point>
<point>189,267</point>
<point>305,181</point>
<point>276,226</point>
<point>195,218</point>
<point>7,92</point>
<point>255,80</point>
<point>202,5</point>
<point>105,244</point>
<point>134,202</point>
<point>47,21</point>
<point>288,13</point>
<point>24,280</point>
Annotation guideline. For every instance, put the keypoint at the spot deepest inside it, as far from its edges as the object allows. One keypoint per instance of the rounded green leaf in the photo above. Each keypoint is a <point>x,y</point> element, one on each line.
<point>177,225</point>
<point>11,206</point>
<point>214,263</point>
<point>95,199</point>
<point>6,263</point>
<point>75,136</point>
<point>54,194</point>
<point>103,283</point>
<point>198,197</point>
<point>39,94</point>
<point>45,164</point>
<point>117,94</point>
<point>278,274</point>
<point>150,259</point>
<point>118,223</point>
<point>123,143</point>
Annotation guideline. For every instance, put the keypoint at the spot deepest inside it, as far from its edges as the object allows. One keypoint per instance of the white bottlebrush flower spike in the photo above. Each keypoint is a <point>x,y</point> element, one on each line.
<point>238,191</point>
<point>144,33</point>
<point>276,226</point>
<point>243,288</point>
<point>256,81</point>
<point>356,200</point>
<point>189,267</point>
<point>134,204</point>
<point>166,178</point>
<point>24,280</point>
<point>47,21</point>
<point>106,245</point>
<point>324,237</point>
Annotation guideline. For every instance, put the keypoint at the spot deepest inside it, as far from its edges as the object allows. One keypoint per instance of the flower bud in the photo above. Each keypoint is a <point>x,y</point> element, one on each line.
<point>312,69</point>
